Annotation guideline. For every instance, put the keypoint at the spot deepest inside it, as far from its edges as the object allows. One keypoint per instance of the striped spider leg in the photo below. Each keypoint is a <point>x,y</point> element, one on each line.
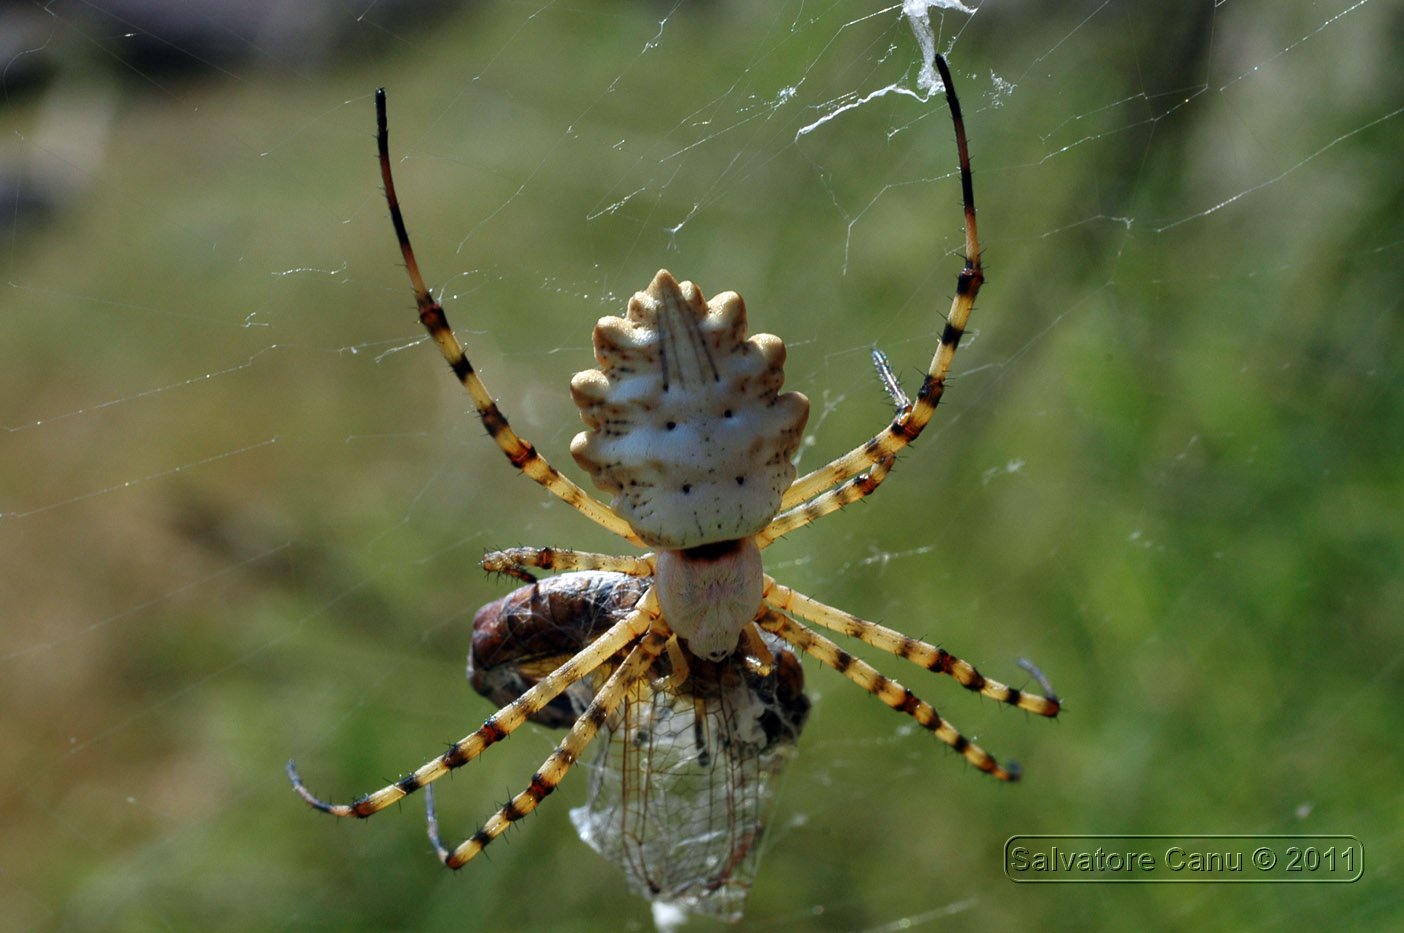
<point>782,603</point>
<point>521,453</point>
<point>515,561</point>
<point>685,657</point>
<point>844,480</point>
<point>554,769</point>
<point>501,724</point>
<point>682,785</point>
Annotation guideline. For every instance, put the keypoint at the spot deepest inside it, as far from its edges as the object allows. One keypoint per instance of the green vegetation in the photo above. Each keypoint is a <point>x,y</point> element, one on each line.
<point>1168,470</point>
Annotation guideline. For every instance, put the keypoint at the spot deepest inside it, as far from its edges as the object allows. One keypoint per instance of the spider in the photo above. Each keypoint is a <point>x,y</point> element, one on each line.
<point>681,789</point>
<point>687,429</point>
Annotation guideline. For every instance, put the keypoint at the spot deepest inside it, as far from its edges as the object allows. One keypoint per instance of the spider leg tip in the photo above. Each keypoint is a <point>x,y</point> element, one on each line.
<point>307,796</point>
<point>429,806</point>
<point>299,786</point>
<point>1043,682</point>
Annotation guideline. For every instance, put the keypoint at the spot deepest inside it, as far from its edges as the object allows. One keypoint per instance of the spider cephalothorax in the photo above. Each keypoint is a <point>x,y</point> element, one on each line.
<point>686,657</point>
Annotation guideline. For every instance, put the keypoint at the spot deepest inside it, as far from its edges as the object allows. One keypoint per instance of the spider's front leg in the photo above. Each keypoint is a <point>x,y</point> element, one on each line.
<point>920,653</point>
<point>520,452</point>
<point>913,417</point>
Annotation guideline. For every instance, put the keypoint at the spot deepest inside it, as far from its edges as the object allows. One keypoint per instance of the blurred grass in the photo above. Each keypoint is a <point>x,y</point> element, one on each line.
<point>1168,470</point>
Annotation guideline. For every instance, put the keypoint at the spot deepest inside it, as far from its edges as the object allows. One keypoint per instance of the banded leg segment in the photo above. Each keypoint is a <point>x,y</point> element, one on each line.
<point>859,487</point>
<point>520,452</point>
<point>514,561</point>
<point>920,653</point>
<point>887,690</point>
<point>554,769</point>
<point>500,724</point>
<point>913,418</point>
<point>855,488</point>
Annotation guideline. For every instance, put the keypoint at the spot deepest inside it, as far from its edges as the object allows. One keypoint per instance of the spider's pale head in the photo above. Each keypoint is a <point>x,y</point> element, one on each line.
<point>685,421</point>
<point>709,593</point>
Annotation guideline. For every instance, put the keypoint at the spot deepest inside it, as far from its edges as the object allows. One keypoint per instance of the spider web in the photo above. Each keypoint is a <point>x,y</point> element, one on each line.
<point>241,502</point>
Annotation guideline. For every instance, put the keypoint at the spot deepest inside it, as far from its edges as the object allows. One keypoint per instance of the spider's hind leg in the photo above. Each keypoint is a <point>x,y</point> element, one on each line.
<point>920,653</point>
<point>501,724</point>
<point>888,691</point>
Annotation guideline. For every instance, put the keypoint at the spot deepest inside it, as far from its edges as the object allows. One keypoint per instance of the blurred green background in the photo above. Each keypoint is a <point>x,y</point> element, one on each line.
<point>241,501</point>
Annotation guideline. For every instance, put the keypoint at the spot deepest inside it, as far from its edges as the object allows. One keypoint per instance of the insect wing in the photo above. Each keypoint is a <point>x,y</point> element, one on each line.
<point>681,793</point>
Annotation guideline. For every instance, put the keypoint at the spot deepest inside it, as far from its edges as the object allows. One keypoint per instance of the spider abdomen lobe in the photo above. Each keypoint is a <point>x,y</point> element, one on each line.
<point>685,422</point>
